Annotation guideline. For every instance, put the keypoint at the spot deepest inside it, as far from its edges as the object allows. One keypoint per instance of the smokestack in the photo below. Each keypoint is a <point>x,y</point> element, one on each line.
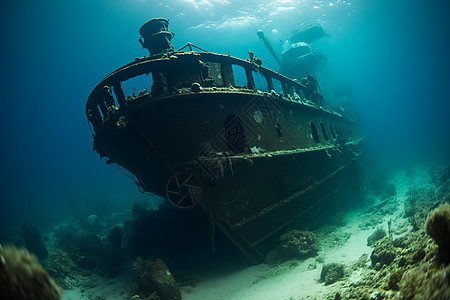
<point>155,36</point>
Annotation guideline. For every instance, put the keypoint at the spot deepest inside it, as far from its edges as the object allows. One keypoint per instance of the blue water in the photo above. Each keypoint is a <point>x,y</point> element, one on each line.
<point>392,56</point>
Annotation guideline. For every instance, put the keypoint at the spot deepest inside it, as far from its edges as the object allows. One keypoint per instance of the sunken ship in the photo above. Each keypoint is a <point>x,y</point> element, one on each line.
<point>256,151</point>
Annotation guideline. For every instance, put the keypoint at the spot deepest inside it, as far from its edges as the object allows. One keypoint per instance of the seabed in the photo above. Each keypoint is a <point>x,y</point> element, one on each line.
<point>399,209</point>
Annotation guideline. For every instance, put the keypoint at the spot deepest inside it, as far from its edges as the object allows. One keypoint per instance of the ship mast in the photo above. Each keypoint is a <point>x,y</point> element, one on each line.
<point>269,46</point>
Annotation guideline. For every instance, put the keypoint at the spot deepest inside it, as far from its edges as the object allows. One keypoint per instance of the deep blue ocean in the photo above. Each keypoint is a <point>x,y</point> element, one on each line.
<point>392,56</point>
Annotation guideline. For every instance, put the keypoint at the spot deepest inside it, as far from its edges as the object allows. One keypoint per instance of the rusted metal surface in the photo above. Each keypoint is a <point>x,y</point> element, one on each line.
<point>257,153</point>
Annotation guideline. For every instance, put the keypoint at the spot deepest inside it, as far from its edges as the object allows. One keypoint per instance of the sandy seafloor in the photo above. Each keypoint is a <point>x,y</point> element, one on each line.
<point>294,279</point>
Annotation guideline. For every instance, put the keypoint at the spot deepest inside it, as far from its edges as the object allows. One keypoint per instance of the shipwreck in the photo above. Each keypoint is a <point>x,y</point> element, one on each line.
<point>256,151</point>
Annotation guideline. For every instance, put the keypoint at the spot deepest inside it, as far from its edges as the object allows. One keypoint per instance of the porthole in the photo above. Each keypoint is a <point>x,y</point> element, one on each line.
<point>324,131</point>
<point>315,135</point>
<point>278,130</point>
<point>332,131</point>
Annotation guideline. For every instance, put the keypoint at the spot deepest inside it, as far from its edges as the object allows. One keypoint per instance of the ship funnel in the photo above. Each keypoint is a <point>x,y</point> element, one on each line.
<point>155,36</point>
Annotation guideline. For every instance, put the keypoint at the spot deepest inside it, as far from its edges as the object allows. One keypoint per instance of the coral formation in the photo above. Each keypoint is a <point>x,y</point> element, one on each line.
<point>154,276</point>
<point>394,279</point>
<point>82,248</point>
<point>417,270</point>
<point>378,234</point>
<point>22,277</point>
<point>437,226</point>
<point>383,253</point>
<point>59,265</point>
<point>383,281</point>
<point>294,244</point>
<point>426,283</point>
<point>300,243</point>
<point>332,272</point>
<point>90,252</point>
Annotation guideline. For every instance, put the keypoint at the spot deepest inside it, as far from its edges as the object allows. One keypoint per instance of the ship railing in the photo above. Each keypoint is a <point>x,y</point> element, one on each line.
<point>155,77</point>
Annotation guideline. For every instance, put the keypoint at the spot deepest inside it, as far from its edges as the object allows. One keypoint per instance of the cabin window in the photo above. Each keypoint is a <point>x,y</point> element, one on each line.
<point>240,78</point>
<point>137,86</point>
<point>278,130</point>
<point>324,131</point>
<point>160,84</point>
<point>95,116</point>
<point>291,90</point>
<point>315,135</point>
<point>212,74</point>
<point>295,95</point>
<point>102,110</point>
<point>109,101</point>
<point>277,87</point>
<point>260,82</point>
<point>332,131</point>
<point>301,93</point>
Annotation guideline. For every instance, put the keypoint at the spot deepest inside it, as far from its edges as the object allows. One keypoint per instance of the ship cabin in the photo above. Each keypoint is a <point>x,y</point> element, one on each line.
<point>161,76</point>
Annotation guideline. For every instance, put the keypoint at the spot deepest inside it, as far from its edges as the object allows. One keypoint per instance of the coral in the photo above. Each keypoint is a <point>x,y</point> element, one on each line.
<point>33,240</point>
<point>394,279</point>
<point>383,253</point>
<point>296,243</point>
<point>415,272</point>
<point>437,226</point>
<point>104,256</point>
<point>154,276</point>
<point>22,277</point>
<point>82,248</point>
<point>361,262</point>
<point>424,283</point>
<point>378,234</point>
<point>332,272</point>
<point>58,264</point>
<point>411,209</point>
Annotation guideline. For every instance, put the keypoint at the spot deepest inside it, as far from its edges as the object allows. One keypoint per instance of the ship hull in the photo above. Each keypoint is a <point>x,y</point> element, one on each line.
<point>255,163</point>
